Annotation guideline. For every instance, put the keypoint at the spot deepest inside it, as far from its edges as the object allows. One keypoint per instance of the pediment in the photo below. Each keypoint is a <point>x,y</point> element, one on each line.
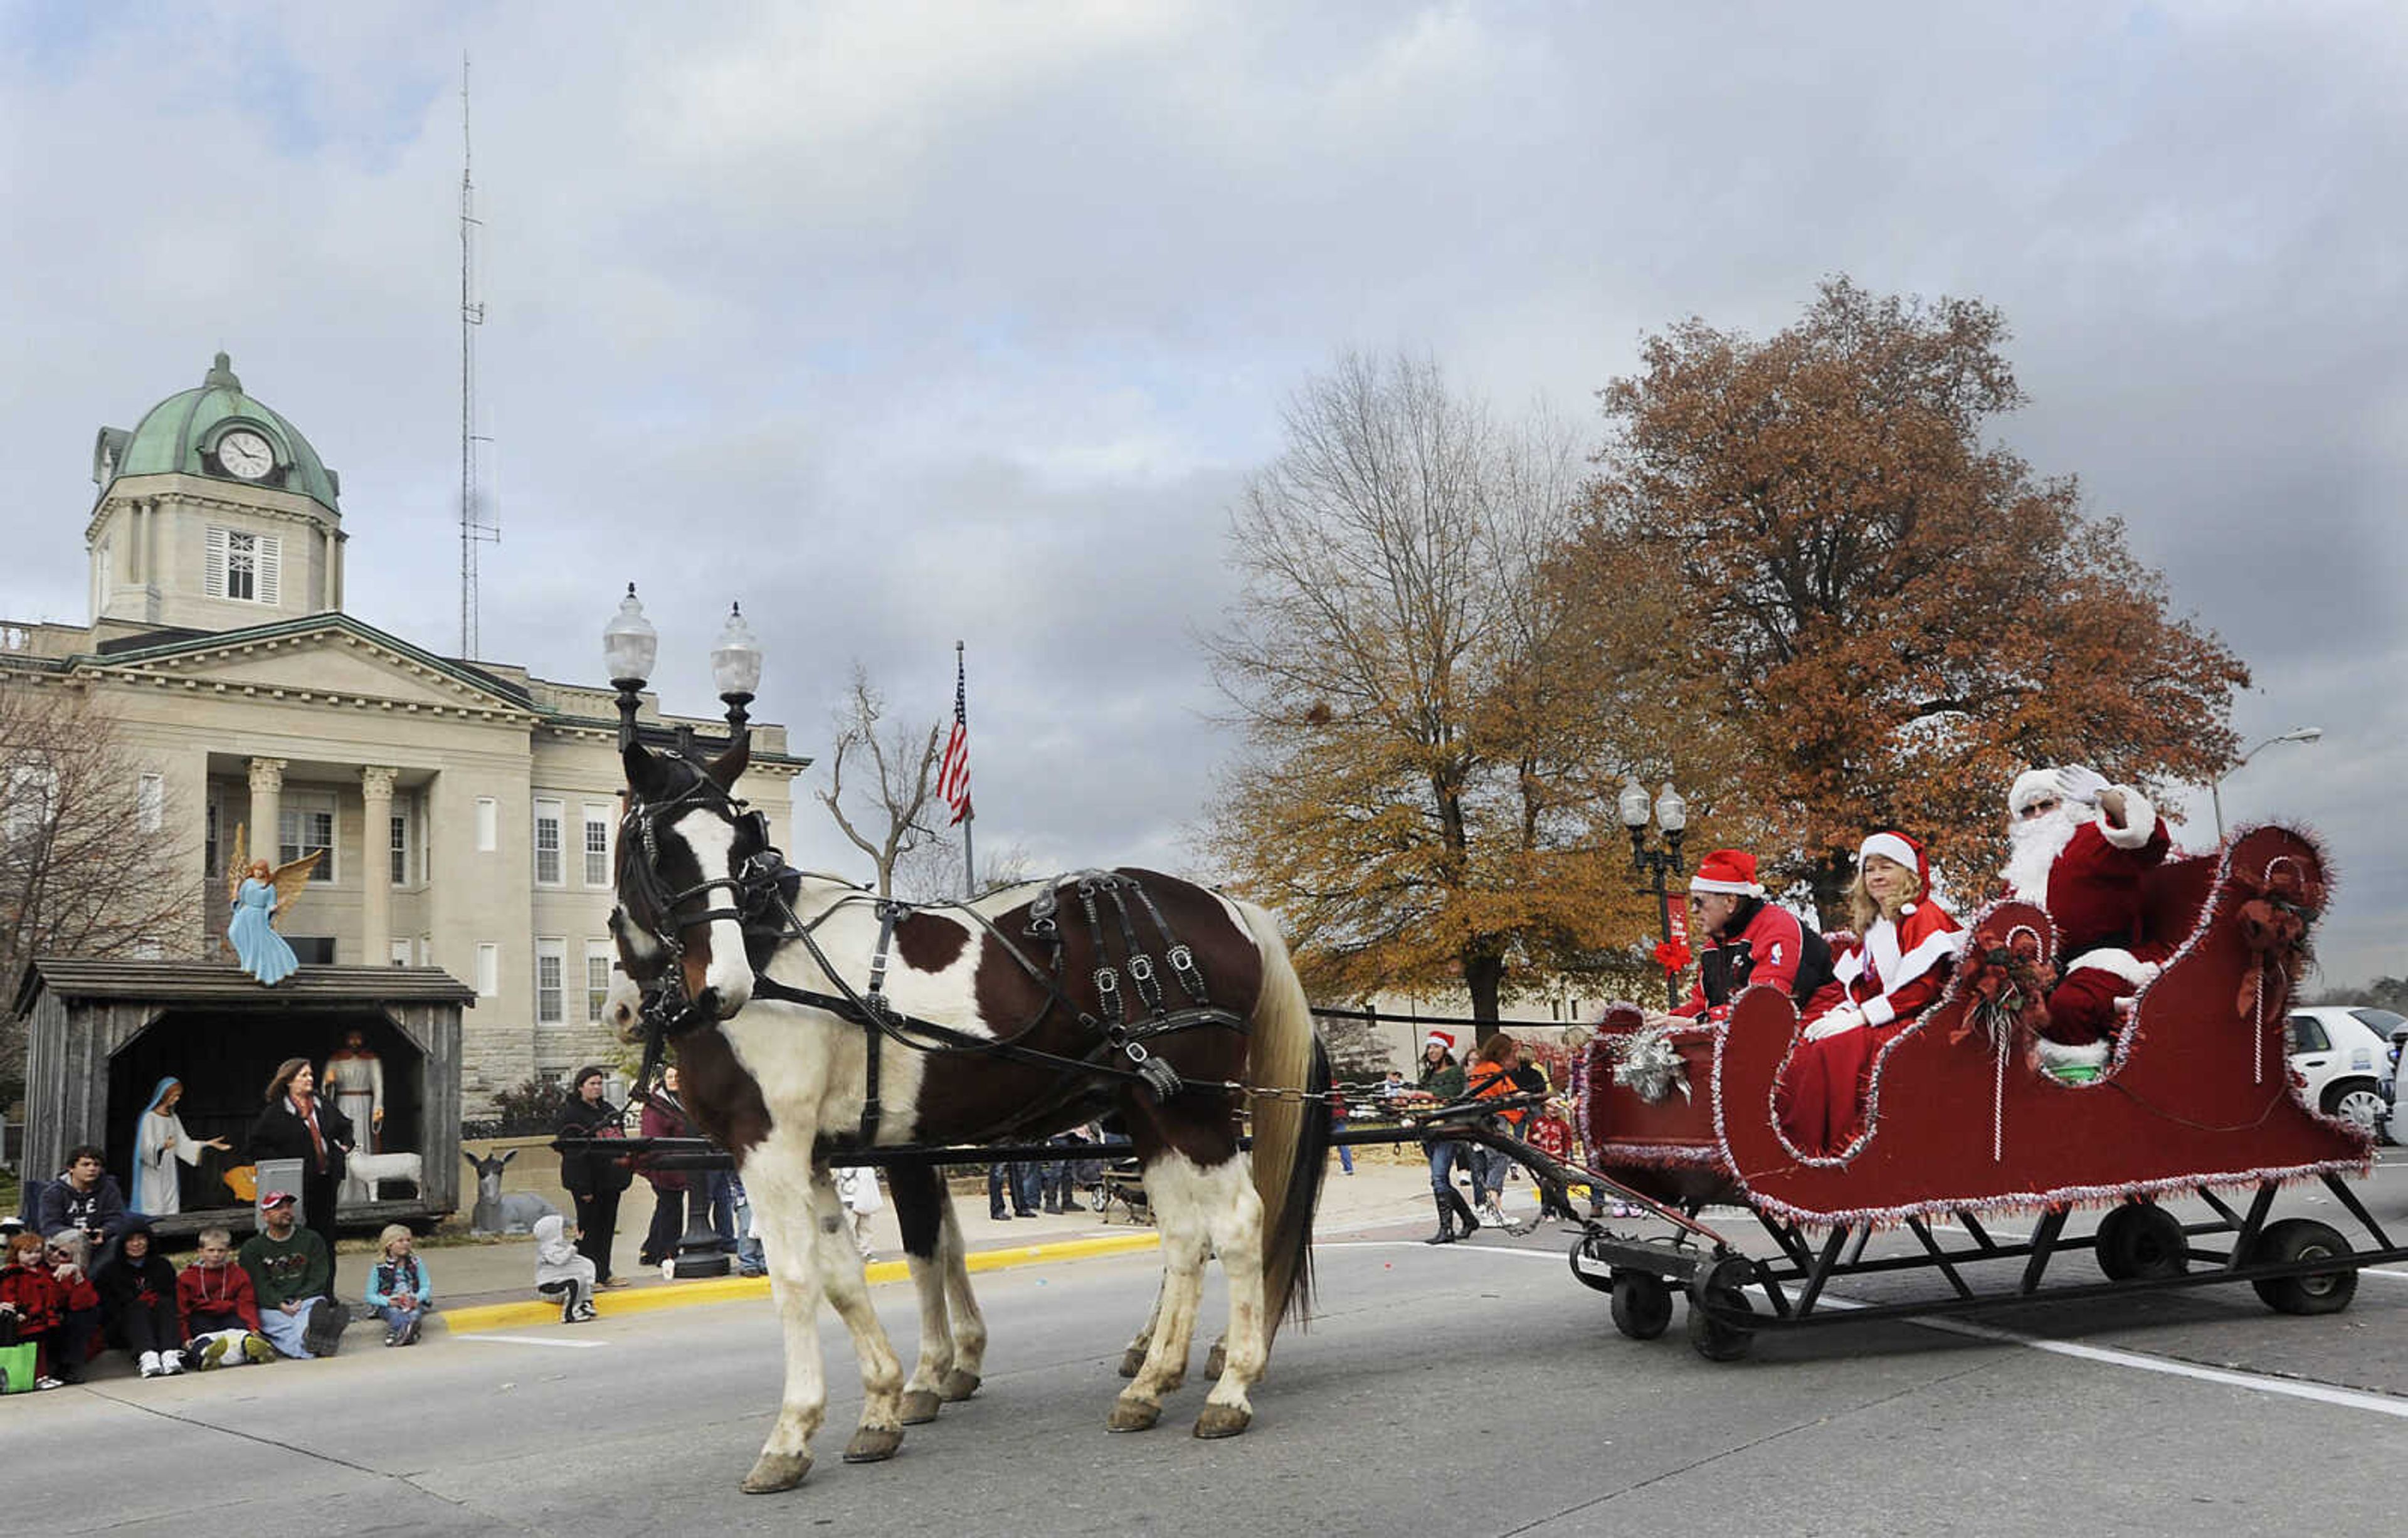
<point>337,664</point>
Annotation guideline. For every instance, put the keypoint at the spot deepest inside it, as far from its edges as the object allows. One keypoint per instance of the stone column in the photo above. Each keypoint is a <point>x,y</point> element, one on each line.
<point>376,867</point>
<point>266,801</point>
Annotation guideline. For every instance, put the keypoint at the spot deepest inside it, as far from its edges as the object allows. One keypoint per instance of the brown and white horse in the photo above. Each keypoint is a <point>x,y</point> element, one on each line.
<point>776,1082</point>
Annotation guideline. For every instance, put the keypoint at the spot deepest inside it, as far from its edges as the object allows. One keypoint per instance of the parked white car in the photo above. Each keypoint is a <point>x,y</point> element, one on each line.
<point>2346,1055</point>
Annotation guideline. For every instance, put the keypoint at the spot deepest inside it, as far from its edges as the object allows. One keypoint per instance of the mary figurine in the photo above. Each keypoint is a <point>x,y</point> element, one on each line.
<point>158,1143</point>
<point>261,951</point>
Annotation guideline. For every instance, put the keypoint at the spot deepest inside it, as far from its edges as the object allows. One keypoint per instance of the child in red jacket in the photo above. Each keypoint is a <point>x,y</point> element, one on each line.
<point>220,1311</point>
<point>34,1301</point>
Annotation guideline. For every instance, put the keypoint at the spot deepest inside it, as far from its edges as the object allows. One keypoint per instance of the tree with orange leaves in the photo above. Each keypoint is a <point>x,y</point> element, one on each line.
<point>1886,614</point>
<point>1425,759</point>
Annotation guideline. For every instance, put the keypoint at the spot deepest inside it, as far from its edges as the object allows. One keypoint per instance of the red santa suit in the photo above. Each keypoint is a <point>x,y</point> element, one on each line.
<point>1889,977</point>
<point>2094,896</point>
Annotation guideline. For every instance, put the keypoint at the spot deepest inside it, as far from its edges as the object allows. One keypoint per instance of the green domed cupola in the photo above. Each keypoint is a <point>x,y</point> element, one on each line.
<point>219,432</point>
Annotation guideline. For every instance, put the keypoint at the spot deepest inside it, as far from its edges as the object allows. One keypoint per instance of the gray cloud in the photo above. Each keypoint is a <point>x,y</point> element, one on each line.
<point>908,322</point>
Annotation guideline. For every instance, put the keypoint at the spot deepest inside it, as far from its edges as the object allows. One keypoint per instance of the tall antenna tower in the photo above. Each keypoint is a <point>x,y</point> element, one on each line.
<point>476,526</point>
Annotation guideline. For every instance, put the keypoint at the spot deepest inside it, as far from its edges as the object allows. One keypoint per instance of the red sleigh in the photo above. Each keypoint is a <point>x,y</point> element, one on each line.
<point>1963,1121</point>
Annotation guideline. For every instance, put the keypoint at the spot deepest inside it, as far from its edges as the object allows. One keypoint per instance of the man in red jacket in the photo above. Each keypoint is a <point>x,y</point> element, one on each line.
<point>1751,942</point>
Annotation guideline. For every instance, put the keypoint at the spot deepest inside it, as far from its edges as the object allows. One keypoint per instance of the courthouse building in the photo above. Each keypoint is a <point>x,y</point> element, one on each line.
<point>468,809</point>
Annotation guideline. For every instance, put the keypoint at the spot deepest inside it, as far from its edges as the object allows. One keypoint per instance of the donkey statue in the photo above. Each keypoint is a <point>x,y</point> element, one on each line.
<point>500,1212</point>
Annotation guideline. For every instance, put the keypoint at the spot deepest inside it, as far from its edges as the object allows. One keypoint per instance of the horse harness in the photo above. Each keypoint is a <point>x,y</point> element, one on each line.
<point>764,889</point>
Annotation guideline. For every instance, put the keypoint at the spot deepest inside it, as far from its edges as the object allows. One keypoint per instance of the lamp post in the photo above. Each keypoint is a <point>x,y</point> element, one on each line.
<point>1673,817</point>
<point>2214,791</point>
<point>630,647</point>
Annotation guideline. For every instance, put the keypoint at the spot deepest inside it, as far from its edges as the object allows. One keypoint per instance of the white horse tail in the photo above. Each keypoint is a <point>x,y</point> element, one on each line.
<point>1291,1134</point>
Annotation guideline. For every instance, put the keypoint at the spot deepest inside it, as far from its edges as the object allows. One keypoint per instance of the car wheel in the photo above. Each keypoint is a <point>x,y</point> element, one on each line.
<point>2357,1100</point>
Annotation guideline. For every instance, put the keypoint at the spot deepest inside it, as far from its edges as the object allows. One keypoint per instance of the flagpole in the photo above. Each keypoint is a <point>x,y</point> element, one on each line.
<point>969,814</point>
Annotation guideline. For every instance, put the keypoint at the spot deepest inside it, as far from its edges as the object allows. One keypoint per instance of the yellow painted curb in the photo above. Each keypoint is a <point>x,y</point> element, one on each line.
<point>478,1318</point>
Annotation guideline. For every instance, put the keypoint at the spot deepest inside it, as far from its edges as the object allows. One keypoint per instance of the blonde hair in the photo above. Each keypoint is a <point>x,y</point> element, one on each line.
<point>391,1232</point>
<point>1863,910</point>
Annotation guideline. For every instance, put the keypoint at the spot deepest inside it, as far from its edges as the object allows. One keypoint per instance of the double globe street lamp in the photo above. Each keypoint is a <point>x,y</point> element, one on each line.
<point>1673,817</point>
<point>630,645</point>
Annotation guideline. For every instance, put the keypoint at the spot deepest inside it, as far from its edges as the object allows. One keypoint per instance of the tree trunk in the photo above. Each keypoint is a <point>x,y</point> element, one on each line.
<point>1484,973</point>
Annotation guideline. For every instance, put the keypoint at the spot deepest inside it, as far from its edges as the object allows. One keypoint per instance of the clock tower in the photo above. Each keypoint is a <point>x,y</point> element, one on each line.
<point>214,514</point>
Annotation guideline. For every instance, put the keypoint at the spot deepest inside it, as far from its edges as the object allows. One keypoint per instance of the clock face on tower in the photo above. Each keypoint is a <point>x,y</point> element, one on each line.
<point>244,454</point>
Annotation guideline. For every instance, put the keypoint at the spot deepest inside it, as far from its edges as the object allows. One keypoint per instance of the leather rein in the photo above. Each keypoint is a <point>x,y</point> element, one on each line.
<point>762,893</point>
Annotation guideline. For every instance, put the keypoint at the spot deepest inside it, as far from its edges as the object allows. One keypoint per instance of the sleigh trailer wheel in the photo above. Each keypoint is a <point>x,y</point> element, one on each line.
<point>1721,1286</point>
<point>2304,1239</point>
<point>1642,1305</point>
<point>2142,1241</point>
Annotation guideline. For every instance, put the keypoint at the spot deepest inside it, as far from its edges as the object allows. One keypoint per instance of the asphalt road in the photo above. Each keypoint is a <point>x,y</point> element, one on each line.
<point>1470,1390</point>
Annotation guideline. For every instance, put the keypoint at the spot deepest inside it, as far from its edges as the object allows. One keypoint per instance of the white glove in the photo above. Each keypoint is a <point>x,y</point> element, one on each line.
<point>1844,1018</point>
<point>2077,783</point>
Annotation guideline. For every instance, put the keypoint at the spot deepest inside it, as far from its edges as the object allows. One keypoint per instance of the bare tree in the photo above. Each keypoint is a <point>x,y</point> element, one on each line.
<point>901,778</point>
<point>91,864</point>
<point>933,871</point>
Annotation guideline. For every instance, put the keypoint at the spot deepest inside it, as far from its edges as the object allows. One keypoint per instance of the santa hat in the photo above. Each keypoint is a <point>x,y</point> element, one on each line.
<point>1731,871</point>
<point>2032,785</point>
<point>1438,1038</point>
<point>1892,844</point>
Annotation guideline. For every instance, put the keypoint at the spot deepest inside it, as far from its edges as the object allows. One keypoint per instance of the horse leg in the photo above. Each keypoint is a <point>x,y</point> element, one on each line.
<point>969,1325</point>
<point>1234,1214</point>
<point>783,1206</point>
<point>919,1215</point>
<point>1174,1186</point>
<point>881,1431</point>
<point>1133,1359</point>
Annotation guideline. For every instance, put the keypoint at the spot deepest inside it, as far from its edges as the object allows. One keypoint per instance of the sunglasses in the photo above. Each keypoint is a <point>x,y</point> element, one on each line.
<point>2040,808</point>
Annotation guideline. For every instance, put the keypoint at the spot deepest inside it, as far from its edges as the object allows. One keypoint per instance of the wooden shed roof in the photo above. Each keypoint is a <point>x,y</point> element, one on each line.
<point>223,985</point>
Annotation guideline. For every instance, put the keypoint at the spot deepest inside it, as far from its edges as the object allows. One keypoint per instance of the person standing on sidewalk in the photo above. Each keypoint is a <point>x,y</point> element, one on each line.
<point>1020,1180</point>
<point>593,1170</point>
<point>663,1117</point>
<point>299,1124</point>
<point>1337,1125</point>
<point>1442,1081</point>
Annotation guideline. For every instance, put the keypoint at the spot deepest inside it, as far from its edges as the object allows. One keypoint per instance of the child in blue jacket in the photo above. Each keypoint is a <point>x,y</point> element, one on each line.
<point>399,1289</point>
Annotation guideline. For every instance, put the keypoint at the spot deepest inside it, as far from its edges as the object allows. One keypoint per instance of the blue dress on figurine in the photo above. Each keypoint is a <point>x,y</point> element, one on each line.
<point>261,951</point>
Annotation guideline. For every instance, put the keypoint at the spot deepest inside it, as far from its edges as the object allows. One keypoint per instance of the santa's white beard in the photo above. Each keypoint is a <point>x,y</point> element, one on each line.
<point>2036,844</point>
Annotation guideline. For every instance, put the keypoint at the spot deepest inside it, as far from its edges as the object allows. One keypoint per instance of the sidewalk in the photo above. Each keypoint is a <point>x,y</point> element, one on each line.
<point>490,1286</point>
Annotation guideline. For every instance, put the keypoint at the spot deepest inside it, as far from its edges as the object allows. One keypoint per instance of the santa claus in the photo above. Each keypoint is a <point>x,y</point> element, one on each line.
<point>2083,849</point>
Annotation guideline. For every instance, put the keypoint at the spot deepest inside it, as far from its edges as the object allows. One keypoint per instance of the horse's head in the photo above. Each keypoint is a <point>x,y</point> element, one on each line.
<point>689,853</point>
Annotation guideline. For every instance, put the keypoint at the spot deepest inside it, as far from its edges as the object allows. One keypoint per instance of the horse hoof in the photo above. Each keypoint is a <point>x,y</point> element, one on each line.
<point>959,1386</point>
<point>873,1444</point>
<point>1133,1414</point>
<point>1218,1360</point>
<point>1132,1362</point>
<point>1219,1420</point>
<point>776,1472</point>
<point>919,1407</point>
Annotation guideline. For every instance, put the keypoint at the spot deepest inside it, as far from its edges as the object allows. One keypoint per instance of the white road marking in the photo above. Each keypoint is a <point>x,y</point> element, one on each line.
<point>533,1340</point>
<point>2348,1399</point>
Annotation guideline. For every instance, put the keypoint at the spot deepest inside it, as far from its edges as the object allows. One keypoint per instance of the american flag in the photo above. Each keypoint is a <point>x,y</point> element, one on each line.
<point>954,773</point>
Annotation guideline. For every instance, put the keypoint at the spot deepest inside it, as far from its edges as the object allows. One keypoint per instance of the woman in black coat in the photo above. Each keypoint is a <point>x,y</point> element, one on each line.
<point>137,1299</point>
<point>298,1125</point>
<point>594,1176</point>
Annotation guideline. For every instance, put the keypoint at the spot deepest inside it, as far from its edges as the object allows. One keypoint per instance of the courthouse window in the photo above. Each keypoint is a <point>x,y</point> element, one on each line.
<point>597,845</point>
<point>305,823</point>
<point>598,957</point>
<point>547,843</point>
<point>151,801</point>
<point>550,959</point>
<point>242,565</point>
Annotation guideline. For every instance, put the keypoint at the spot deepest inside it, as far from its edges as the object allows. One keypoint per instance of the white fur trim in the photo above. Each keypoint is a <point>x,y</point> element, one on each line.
<point>2055,1054</point>
<point>1737,889</point>
<point>1889,847</point>
<point>2030,786</point>
<point>1879,1011</point>
<point>2140,821</point>
<point>2123,963</point>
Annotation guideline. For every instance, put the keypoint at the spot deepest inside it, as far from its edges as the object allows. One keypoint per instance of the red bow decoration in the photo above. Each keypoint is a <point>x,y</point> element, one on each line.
<point>2274,922</point>
<point>1672,956</point>
<point>2003,975</point>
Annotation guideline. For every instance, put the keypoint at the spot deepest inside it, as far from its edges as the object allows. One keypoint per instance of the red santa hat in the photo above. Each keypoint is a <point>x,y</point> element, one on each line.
<point>1892,844</point>
<point>2032,785</point>
<point>1731,871</point>
<point>1438,1038</point>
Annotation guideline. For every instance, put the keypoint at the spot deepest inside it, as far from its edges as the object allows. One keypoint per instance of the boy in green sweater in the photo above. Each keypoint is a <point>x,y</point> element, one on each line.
<point>290,1271</point>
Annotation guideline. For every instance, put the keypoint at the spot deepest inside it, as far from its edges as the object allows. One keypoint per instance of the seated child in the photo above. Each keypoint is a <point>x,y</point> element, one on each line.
<point>221,1312</point>
<point>398,1288</point>
<point>78,1338</point>
<point>32,1304</point>
<point>560,1271</point>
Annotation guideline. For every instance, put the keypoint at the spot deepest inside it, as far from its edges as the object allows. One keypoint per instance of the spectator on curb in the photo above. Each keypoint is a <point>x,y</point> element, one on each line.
<point>1337,1125</point>
<point>84,1196</point>
<point>1018,1179</point>
<point>749,1261</point>
<point>594,1175</point>
<point>856,1188</point>
<point>137,1301</point>
<point>298,1124</point>
<point>288,1276</point>
<point>218,1307</point>
<point>69,1254</point>
<point>33,1304</point>
<point>1491,1077</point>
<point>563,1270</point>
<point>399,1289</point>
<point>664,1115</point>
<point>1058,1179</point>
<point>1442,1081</point>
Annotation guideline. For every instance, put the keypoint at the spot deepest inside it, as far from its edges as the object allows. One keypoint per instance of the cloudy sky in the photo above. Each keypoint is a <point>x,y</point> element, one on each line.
<point>907,322</point>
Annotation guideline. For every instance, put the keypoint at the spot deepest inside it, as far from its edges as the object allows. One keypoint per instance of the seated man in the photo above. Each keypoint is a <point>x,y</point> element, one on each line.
<point>2082,848</point>
<point>84,1196</point>
<point>1751,942</point>
<point>289,1273</point>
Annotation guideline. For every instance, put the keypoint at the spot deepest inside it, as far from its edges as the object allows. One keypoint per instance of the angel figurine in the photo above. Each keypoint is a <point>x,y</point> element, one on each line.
<point>258,894</point>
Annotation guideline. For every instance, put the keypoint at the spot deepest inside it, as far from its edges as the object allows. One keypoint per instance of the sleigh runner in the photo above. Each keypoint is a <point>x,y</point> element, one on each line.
<point>1966,1120</point>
